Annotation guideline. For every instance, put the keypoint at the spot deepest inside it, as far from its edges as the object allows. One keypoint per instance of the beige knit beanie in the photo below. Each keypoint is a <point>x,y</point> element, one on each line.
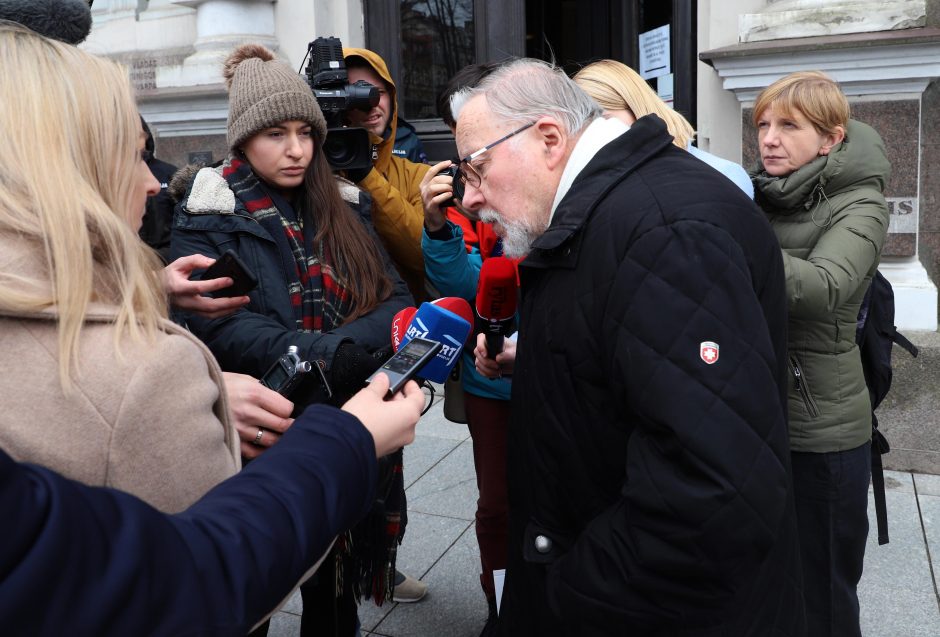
<point>264,91</point>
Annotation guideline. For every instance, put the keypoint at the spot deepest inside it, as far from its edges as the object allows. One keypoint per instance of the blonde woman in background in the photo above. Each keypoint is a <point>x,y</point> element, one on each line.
<point>623,94</point>
<point>96,383</point>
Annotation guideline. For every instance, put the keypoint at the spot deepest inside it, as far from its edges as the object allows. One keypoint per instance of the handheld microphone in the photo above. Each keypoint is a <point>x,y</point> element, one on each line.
<point>400,324</point>
<point>496,301</point>
<point>68,21</point>
<point>438,324</point>
<point>461,308</point>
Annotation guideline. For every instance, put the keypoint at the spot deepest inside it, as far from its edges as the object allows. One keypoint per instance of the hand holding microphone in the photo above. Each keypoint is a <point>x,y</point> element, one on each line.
<point>496,301</point>
<point>496,367</point>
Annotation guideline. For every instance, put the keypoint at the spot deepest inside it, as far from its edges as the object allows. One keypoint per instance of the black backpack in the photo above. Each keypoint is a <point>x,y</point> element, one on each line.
<point>876,335</point>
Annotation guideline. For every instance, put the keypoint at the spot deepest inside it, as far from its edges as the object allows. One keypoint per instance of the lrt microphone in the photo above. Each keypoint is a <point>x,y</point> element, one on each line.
<point>436,323</point>
<point>400,324</point>
<point>496,301</point>
<point>461,308</point>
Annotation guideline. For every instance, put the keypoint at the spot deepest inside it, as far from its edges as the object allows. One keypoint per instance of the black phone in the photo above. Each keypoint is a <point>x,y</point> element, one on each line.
<point>407,362</point>
<point>230,265</point>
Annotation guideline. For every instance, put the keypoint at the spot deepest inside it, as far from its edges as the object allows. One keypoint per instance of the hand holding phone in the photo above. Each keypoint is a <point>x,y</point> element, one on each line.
<point>230,265</point>
<point>407,362</point>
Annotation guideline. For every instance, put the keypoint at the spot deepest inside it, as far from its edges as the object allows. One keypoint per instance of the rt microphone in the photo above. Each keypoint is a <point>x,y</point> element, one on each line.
<point>437,324</point>
<point>400,324</point>
<point>496,301</point>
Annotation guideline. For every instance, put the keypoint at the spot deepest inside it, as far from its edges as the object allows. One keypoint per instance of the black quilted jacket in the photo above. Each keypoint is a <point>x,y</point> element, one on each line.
<point>650,490</point>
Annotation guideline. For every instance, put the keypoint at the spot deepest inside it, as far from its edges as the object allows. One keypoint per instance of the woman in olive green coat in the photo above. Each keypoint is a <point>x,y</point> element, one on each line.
<point>820,183</point>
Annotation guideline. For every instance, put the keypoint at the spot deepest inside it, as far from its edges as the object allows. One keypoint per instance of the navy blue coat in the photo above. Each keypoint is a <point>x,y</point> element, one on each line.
<point>79,560</point>
<point>251,339</point>
<point>649,474</point>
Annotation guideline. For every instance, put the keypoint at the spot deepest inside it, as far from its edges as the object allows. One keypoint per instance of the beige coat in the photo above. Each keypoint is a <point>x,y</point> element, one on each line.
<point>149,419</point>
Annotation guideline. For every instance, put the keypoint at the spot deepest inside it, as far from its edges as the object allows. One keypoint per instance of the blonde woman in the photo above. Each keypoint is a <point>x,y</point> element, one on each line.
<point>821,181</point>
<point>623,94</point>
<point>96,383</point>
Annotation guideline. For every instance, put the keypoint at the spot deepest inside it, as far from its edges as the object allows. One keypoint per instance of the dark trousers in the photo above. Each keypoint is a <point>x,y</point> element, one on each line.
<point>488,420</point>
<point>831,492</point>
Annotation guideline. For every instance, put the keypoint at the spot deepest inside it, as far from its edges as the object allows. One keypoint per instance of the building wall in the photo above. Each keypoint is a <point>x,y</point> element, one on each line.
<point>719,112</point>
<point>174,53</point>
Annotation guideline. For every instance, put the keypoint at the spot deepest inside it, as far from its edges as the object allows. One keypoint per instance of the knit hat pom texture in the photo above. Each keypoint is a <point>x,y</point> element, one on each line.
<point>263,92</point>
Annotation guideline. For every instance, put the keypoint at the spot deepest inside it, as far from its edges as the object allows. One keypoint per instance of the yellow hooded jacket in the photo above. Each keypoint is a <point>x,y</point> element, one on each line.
<point>394,183</point>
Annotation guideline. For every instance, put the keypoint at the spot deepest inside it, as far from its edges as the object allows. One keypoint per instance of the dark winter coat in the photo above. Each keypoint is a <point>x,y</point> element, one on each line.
<point>831,220</point>
<point>79,560</point>
<point>158,217</point>
<point>407,143</point>
<point>209,220</point>
<point>650,490</point>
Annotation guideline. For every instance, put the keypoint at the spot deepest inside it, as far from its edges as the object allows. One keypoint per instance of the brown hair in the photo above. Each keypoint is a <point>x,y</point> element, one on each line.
<point>812,93</point>
<point>354,251</point>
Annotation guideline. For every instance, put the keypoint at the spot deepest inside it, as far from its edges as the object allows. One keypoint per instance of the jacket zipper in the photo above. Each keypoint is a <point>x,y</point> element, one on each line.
<point>802,388</point>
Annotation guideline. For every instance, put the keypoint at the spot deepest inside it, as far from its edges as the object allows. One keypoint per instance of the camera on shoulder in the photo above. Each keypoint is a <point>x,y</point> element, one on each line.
<point>346,148</point>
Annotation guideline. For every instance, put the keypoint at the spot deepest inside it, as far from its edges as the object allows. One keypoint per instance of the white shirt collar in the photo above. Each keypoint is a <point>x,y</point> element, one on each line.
<point>598,134</point>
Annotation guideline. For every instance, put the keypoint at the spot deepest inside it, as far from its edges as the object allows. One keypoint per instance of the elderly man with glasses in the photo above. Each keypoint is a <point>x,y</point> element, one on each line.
<point>649,478</point>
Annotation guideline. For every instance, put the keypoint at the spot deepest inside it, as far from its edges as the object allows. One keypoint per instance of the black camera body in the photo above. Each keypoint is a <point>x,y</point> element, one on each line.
<point>346,148</point>
<point>288,370</point>
<point>456,184</point>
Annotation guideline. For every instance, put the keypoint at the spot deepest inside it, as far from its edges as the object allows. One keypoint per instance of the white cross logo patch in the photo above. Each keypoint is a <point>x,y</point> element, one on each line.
<point>708,350</point>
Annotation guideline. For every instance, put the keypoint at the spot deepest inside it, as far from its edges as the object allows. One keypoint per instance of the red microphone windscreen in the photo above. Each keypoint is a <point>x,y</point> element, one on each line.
<point>400,325</point>
<point>456,305</point>
<point>496,291</point>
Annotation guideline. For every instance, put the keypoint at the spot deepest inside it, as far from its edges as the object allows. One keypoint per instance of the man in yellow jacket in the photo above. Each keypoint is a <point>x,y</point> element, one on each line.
<point>393,182</point>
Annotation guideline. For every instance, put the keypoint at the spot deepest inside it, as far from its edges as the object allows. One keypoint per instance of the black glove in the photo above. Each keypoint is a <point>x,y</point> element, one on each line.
<point>358,174</point>
<point>352,364</point>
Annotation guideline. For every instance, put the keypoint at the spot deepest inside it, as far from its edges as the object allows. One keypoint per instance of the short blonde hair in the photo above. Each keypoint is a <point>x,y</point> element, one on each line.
<point>68,159</point>
<point>616,86</point>
<point>813,93</point>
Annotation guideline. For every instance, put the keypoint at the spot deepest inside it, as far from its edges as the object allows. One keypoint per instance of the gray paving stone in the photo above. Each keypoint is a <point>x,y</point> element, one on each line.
<point>896,592</point>
<point>449,488</point>
<point>898,481</point>
<point>284,625</point>
<point>927,485</point>
<point>295,604</point>
<point>930,514</point>
<point>424,453</point>
<point>427,539</point>
<point>434,424</point>
<point>455,606</point>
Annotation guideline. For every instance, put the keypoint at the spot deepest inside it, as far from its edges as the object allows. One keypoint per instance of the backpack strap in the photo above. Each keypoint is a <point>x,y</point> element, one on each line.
<point>879,445</point>
<point>901,340</point>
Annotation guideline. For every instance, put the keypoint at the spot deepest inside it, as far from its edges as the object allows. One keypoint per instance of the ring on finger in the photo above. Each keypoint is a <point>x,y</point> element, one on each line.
<point>257,440</point>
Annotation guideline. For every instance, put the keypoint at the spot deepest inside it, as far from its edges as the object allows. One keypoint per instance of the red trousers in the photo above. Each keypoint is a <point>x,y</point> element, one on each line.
<point>488,420</point>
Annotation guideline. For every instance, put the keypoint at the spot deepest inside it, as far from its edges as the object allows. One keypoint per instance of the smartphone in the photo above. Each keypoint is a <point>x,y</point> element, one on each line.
<point>407,362</point>
<point>230,265</point>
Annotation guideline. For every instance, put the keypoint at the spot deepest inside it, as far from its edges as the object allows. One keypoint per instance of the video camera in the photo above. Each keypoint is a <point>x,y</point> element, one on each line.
<point>346,148</point>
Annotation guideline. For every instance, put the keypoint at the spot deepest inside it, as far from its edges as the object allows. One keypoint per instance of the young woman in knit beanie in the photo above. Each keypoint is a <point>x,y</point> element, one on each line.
<point>325,285</point>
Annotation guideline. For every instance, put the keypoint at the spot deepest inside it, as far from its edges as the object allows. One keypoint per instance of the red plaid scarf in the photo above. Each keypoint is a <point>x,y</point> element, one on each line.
<point>317,293</point>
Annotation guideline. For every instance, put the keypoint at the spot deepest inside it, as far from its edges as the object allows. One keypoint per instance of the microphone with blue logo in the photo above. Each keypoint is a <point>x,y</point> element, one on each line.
<point>444,321</point>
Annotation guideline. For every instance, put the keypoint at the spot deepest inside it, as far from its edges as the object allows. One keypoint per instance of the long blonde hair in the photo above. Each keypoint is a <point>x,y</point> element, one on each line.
<point>615,86</point>
<point>69,129</point>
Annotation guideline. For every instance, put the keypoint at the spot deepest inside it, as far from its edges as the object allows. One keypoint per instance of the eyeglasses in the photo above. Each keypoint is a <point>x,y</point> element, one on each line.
<point>467,174</point>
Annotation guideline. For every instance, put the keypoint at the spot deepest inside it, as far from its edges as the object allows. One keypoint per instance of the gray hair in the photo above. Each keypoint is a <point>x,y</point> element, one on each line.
<point>526,89</point>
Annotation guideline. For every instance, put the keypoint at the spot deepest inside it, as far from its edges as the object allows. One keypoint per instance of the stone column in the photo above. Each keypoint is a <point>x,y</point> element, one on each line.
<point>221,25</point>
<point>105,10</point>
